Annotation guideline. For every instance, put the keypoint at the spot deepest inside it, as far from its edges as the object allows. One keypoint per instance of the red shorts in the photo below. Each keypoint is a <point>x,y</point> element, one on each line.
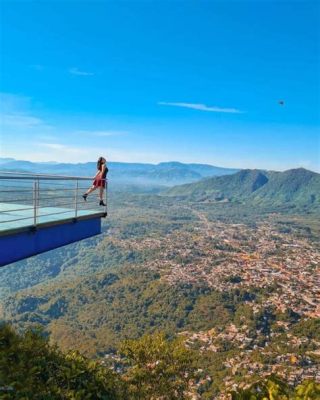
<point>98,182</point>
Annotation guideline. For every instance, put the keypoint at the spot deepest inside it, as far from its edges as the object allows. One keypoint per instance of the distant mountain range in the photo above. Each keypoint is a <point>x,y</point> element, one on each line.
<point>298,187</point>
<point>196,182</point>
<point>163,174</point>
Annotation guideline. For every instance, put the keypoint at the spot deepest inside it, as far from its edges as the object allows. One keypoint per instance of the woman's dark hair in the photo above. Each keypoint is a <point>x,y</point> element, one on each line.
<point>99,163</point>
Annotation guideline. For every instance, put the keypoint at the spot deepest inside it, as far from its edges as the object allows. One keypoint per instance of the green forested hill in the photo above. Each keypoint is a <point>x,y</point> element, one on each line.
<point>236,186</point>
<point>93,313</point>
<point>297,187</point>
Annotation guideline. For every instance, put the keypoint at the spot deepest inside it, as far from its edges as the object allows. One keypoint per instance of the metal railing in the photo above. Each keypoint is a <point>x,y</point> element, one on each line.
<point>32,199</point>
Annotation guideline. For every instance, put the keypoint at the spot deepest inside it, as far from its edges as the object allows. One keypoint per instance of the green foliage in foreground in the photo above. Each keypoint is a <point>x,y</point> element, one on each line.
<point>275,389</point>
<point>158,368</point>
<point>31,369</point>
<point>155,368</point>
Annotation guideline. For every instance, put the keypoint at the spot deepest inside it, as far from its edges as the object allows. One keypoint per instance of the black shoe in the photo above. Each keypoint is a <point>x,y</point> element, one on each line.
<point>102,203</point>
<point>85,197</point>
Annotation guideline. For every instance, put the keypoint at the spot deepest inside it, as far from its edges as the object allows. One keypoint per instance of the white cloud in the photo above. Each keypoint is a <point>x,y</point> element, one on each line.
<point>54,151</point>
<point>62,148</point>
<point>12,102</point>
<point>15,115</point>
<point>103,133</point>
<point>39,141</point>
<point>201,107</point>
<point>19,120</point>
<point>46,138</point>
<point>77,71</point>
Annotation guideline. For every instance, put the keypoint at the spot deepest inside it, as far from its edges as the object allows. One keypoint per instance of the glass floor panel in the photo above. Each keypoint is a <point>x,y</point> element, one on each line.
<point>15,216</point>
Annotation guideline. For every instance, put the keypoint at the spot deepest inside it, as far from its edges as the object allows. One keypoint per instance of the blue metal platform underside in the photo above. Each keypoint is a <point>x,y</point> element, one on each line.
<point>20,239</point>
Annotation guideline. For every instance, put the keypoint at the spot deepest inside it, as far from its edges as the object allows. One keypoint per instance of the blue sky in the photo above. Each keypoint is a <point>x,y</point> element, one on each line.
<point>152,81</point>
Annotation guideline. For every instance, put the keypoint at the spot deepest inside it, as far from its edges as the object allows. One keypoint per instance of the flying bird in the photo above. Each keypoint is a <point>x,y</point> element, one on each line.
<point>281,102</point>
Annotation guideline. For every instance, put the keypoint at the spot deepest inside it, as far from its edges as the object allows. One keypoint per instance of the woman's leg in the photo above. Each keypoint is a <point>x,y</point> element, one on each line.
<point>92,189</point>
<point>102,203</point>
<point>101,192</point>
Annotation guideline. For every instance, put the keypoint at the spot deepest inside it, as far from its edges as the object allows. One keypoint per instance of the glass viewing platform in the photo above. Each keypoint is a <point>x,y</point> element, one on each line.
<point>42,212</point>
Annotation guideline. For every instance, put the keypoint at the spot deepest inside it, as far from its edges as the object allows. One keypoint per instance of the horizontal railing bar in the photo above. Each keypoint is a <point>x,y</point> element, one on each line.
<point>62,212</point>
<point>16,186</point>
<point>14,220</point>
<point>65,206</point>
<point>43,206</point>
<point>53,182</point>
<point>90,207</point>
<point>23,175</point>
<point>62,185</point>
<point>40,214</point>
<point>15,191</point>
<point>16,209</point>
<point>93,208</point>
<point>53,193</point>
<point>11,200</point>
<point>43,186</point>
<point>56,197</point>
<point>57,205</point>
<point>56,190</point>
<point>43,190</point>
<point>58,213</point>
<point>49,178</point>
<point>16,200</point>
<point>89,201</point>
<point>42,183</point>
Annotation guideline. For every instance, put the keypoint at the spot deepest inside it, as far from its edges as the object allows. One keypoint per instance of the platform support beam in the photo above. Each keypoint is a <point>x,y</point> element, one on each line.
<point>17,246</point>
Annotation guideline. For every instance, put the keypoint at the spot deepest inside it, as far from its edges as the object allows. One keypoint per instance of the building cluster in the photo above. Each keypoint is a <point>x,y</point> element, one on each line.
<point>248,364</point>
<point>225,256</point>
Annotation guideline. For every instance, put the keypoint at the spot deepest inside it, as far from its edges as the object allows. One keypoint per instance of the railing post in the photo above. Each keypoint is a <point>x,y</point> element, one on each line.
<point>106,202</point>
<point>76,199</point>
<point>35,201</point>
